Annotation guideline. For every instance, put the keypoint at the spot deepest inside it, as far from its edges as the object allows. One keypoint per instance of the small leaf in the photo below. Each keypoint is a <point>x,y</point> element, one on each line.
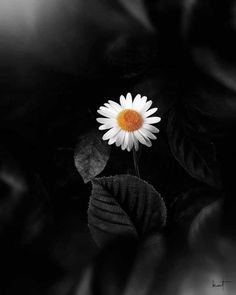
<point>124,205</point>
<point>91,155</point>
<point>193,150</point>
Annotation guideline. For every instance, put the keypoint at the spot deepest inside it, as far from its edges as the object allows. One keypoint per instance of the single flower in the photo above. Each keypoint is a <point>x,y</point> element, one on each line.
<point>129,122</point>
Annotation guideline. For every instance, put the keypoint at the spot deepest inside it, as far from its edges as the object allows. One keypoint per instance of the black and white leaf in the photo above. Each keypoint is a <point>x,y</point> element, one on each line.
<point>91,155</point>
<point>193,150</point>
<point>124,205</point>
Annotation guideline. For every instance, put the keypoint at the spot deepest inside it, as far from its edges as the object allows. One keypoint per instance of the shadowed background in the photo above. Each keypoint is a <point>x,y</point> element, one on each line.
<point>59,61</point>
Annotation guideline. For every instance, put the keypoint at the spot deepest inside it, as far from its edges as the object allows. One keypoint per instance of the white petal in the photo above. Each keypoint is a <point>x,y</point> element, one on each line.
<point>122,101</point>
<point>140,104</point>
<point>120,138</point>
<point>112,140</point>
<point>130,142</point>
<point>105,127</point>
<point>148,142</point>
<point>147,133</point>
<point>135,141</point>
<point>107,113</point>
<point>151,128</point>
<point>146,106</point>
<point>152,120</point>
<point>139,137</point>
<point>150,112</point>
<point>129,103</point>
<point>125,142</point>
<point>109,109</point>
<point>136,101</point>
<point>115,105</point>
<point>144,140</point>
<point>106,121</point>
<point>109,134</point>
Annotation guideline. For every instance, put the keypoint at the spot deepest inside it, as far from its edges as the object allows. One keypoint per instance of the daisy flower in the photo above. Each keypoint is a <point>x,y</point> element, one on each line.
<point>129,122</point>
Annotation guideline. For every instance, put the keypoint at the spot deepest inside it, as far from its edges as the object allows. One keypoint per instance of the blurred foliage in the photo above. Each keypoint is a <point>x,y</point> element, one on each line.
<point>56,67</point>
<point>193,148</point>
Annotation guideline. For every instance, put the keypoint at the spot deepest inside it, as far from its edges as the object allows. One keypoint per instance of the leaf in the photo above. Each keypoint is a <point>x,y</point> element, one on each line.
<point>193,150</point>
<point>124,205</point>
<point>91,155</point>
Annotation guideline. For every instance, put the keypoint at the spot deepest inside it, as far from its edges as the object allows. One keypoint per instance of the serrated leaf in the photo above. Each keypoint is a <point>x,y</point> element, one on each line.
<point>124,205</point>
<point>91,155</point>
<point>194,151</point>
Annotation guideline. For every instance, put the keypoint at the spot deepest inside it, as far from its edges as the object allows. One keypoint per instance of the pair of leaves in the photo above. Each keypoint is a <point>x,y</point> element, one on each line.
<point>91,155</point>
<point>193,150</point>
<point>124,205</point>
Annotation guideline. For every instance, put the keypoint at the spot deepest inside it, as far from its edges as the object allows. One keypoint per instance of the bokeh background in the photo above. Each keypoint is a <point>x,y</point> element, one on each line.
<point>59,61</point>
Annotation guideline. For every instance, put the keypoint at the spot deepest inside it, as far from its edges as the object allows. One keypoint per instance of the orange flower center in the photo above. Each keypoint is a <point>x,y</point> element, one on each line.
<point>129,120</point>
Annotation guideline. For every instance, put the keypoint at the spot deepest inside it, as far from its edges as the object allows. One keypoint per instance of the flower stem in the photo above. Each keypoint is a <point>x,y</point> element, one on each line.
<point>136,163</point>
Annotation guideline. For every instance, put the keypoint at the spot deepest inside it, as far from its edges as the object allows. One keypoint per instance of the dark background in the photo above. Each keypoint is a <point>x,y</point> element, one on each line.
<point>59,61</point>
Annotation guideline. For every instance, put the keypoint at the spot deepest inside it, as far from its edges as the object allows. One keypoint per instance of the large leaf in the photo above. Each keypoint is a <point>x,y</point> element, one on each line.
<point>91,155</point>
<point>124,205</point>
<point>193,149</point>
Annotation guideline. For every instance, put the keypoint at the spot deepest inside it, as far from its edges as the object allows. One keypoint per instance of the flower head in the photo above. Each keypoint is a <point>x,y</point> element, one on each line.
<point>129,122</point>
